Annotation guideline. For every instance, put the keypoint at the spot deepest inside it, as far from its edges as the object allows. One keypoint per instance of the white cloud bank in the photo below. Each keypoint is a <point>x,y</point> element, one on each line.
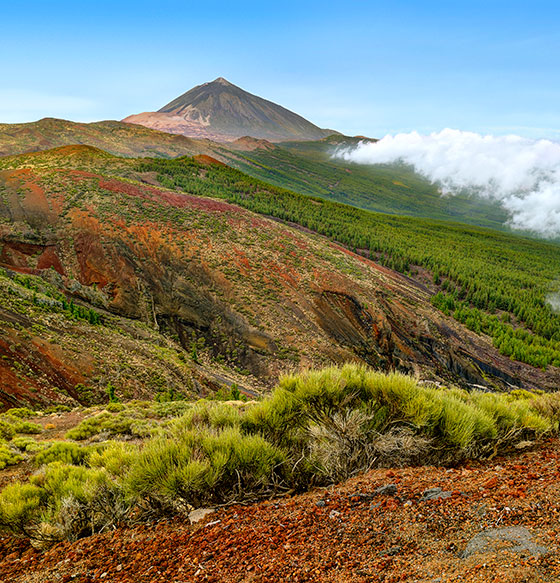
<point>523,175</point>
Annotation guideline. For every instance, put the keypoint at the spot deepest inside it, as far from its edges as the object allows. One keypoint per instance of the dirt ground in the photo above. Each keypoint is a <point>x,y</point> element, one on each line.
<point>350,532</point>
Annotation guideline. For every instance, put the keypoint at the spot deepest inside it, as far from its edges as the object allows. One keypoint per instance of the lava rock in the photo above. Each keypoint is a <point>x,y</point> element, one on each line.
<point>387,490</point>
<point>435,494</point>
<point>491,540</point>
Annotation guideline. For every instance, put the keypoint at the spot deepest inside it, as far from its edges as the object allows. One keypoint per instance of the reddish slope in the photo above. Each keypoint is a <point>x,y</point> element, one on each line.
<point>258,296</point>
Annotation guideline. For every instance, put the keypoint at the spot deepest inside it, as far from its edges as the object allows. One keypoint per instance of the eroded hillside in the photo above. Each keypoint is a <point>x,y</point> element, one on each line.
<point>202,283</point>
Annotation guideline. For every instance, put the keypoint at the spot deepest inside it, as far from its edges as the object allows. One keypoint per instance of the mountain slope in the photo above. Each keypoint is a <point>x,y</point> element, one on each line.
<point>310,168</point>
<point>220,109</point>
<point>112,136</point>
<point>214,285</point>
<point>305,167</point>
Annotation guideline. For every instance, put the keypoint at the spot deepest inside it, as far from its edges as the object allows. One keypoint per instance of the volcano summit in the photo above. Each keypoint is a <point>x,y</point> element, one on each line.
<point>222,111</point>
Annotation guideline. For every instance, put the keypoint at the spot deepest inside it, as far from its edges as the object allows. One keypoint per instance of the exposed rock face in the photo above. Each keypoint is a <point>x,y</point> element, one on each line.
<point>222,111</point>
<point>175,124</point>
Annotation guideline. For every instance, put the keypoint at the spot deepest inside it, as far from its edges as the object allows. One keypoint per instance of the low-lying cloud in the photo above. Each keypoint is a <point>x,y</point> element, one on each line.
<point>523,175</point>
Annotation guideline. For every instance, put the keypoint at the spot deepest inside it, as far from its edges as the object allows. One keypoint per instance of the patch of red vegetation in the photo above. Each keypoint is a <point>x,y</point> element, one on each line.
<point>173,199</point>
<point>207,160</point>
<point>17,174</point>
<point>70,150</point>
<point>78,175</point>
<point>241,260</point>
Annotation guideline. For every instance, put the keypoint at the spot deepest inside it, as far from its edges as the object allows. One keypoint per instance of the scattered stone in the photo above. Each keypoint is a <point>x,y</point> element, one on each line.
<point>361,497</point>
<point>391,551</point>
<point>334,514</point>
<point>320,503</point>
<point>387,490</point>
<point>435,494</point>
<point>524,444</point>
<point>198,514</point>
<point>494,539</point>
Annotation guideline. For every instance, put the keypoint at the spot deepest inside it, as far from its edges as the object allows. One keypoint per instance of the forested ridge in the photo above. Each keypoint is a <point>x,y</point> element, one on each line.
<point>495,283</point>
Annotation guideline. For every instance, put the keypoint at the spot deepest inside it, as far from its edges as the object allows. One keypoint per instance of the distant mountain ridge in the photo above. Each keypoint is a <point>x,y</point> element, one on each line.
<point>219,110</point>
<point>114,137</point>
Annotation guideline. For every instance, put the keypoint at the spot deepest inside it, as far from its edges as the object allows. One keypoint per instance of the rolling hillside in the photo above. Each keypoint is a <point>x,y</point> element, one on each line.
<point>112,136</point>
<point>304,167</point>
<point>148,246</point>
<point>310,168</point>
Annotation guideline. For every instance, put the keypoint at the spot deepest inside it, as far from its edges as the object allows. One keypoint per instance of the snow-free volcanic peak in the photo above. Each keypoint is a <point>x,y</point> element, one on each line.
<point>220,110</point>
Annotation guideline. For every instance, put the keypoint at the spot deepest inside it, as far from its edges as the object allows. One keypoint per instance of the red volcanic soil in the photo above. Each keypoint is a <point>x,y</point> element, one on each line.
<point>47,365</point>
<point>208,160</point>
<point>347,533</point>
<point>249,144</point>
<point>49,258</point>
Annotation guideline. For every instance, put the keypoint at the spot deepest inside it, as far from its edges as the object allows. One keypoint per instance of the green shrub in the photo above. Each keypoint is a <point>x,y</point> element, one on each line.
<point>115,456</point>
<point>209,413</point>
<point>127,422</point>
<point>69,453</point>
<point>8,457</point>
<point>27,427</point>
<point>27,444</point>
<point>62,501</point>
<point>170,408</point>
<point>21,412</point>
<point>7,430</point>
<point>204,465</point>
<point>20,505</point>
<point>57,409</point>
<point>314,428</point>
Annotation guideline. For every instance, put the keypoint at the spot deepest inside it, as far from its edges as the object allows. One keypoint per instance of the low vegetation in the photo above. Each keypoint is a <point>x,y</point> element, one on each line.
<point>472,268</point>
<point>315,428</point>
<point>309,168</point>
<point>14,427</point>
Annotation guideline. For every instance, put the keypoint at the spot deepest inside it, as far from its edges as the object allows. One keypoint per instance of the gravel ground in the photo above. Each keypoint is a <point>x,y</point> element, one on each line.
<point>350,532</point>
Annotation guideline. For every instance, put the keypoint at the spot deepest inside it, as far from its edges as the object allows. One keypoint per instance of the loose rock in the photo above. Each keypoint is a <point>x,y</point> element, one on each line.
<point>515,539</point>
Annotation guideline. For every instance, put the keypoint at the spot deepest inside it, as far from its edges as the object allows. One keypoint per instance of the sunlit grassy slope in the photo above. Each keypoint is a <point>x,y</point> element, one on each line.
<point>309,168</point>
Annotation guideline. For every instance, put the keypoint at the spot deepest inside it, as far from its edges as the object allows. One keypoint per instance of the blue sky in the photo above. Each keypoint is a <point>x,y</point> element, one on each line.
<point>359,67</point>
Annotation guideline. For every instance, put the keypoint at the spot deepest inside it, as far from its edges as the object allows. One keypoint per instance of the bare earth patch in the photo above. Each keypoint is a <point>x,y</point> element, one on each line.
<point>351,532</point>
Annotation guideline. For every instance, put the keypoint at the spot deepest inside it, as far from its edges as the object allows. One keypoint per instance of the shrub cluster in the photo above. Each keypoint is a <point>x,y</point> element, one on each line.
<point>13,424</point>
<point>315,428</point>
<point>130,421</point>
